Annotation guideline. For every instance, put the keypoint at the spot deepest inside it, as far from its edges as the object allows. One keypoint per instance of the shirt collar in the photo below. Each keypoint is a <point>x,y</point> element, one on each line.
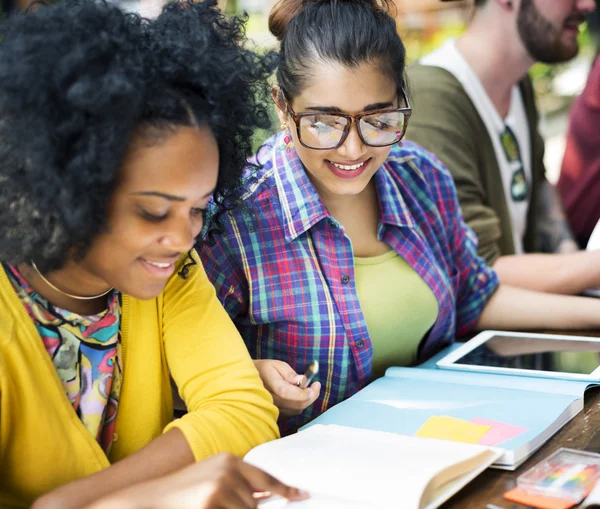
<point>303,207</point>
<point>390,188</point>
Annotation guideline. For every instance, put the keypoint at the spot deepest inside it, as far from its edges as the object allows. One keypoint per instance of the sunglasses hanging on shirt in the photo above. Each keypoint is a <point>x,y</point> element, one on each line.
<point>519,188</point>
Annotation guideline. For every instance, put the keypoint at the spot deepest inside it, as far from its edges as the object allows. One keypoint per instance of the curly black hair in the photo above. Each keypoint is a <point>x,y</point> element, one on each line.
<point>79,78</point>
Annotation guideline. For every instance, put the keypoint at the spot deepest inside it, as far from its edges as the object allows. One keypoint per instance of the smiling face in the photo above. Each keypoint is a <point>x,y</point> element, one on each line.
<point>348,169</point>
<point>549,28</point>
<point>155,213</point>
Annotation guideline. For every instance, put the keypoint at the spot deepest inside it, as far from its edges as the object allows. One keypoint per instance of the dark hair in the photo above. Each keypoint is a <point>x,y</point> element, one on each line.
<point>79,79</point>
<point>349,32</point>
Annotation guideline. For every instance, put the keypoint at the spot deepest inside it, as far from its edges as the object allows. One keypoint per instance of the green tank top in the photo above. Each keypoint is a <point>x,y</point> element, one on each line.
<point>399,308</point>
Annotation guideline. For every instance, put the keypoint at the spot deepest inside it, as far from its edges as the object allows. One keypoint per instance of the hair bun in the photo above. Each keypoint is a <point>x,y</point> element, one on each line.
<point>281,14</point>
<point>284,10</point>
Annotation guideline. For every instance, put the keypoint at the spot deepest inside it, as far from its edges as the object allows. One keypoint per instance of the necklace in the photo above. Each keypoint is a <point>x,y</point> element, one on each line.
<point>76,297</point>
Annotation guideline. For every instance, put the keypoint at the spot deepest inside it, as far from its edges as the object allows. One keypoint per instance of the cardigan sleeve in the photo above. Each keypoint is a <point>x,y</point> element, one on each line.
<point>229,410</point>
<point>441,123</point>
<point>538,209</point>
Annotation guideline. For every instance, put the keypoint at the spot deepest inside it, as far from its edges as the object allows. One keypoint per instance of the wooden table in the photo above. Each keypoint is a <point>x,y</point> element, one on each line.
<point>489,486</point>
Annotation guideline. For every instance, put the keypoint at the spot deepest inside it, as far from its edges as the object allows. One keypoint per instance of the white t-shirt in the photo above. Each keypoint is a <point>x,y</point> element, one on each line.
<point>449,58</point>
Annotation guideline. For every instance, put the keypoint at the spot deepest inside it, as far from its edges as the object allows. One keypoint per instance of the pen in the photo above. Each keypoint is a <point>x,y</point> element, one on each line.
<point>311,372</point>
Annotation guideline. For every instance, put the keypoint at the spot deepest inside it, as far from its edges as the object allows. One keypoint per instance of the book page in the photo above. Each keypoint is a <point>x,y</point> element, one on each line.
<point>316,501</point>
<point>370,468</point>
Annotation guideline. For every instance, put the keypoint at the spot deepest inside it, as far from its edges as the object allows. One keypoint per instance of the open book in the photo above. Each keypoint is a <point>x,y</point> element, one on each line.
<point>348,468</point>
<point>405,399</point>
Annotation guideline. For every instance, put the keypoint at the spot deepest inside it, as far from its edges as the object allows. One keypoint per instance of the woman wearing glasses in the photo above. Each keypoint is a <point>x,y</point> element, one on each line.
<point>348,247</point>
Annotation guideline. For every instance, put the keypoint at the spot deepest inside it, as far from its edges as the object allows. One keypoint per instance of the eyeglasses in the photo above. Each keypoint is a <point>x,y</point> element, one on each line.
<point>327,131</point>
<point>519,188</point>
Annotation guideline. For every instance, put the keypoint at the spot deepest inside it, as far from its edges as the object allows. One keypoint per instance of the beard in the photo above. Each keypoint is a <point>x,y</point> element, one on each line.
<point>541,38</point>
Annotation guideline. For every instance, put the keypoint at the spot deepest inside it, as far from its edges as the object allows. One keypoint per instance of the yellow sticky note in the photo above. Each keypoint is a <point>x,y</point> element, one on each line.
<point>449,428</point>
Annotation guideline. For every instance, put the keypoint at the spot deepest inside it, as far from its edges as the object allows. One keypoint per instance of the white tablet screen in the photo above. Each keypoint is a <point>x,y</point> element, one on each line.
<point>581,357</point>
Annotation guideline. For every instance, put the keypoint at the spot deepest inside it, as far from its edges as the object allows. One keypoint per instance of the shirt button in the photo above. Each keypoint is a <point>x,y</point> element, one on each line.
<point>115,437</point>
<point>360,343</point>
<point>345,279</point>
<point>331,223</point>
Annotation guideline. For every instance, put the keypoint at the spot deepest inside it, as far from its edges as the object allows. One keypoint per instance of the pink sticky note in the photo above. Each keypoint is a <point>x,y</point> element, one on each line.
<point>500,431</point>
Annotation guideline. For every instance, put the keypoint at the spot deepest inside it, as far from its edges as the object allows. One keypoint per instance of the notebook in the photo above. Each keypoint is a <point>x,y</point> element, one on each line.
<point>519,413</point>
<point>349,468</point>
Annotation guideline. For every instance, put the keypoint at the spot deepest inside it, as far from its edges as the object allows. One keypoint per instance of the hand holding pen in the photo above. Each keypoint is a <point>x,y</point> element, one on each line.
<point>311,372</point>
<point>292,392</point>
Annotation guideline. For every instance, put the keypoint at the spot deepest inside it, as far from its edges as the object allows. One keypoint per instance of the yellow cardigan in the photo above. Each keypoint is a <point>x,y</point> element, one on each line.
<point>184,332</point>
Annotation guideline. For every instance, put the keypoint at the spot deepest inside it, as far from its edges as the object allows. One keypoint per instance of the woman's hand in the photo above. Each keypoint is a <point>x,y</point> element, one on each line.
<point>220,482</point>
<point>286,387</point>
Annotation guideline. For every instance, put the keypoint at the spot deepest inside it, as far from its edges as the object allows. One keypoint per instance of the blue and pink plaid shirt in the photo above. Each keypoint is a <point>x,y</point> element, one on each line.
<point>284,269</point>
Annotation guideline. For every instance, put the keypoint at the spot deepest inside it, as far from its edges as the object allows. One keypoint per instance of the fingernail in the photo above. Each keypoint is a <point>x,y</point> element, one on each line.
<point>259,495</point>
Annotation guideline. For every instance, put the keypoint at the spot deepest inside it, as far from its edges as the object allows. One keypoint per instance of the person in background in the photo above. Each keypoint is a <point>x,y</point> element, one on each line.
<point>348,245</point>
<point>114,133</point>
<point>593,21</point>
<point>579,182</point>
<point>474,108</point>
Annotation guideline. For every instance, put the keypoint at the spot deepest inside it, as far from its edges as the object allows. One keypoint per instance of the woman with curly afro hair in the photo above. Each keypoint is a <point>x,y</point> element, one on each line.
<point>114,133</point>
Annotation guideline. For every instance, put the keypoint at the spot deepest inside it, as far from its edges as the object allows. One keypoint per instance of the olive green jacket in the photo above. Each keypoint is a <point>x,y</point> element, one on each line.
<point>446,122</point>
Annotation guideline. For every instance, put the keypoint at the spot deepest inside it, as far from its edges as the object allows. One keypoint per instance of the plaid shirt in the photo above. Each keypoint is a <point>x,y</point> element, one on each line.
<point>284,269</point>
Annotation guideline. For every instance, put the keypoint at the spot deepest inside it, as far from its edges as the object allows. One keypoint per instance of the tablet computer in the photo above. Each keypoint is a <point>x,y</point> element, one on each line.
<point>521,353</point>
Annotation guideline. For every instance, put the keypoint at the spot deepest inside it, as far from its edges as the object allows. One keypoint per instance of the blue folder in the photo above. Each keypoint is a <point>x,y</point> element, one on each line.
<point>405,398</point>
